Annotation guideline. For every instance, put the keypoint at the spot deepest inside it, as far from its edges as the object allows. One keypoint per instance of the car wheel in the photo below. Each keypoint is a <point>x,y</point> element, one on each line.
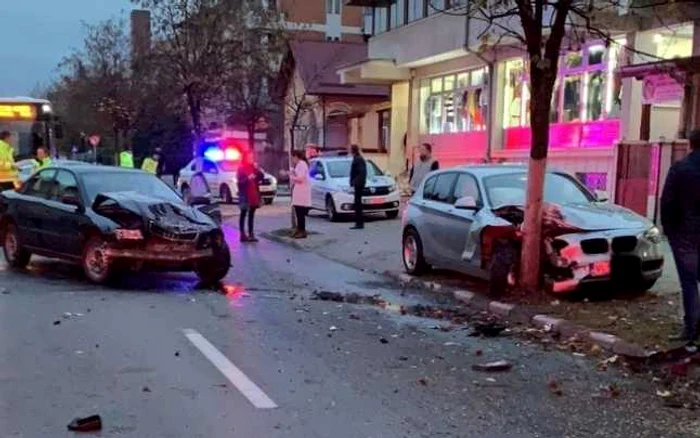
<point>185,190</point>
<point>330,210</point>
<point>393,214</point>
<point>17,257</point>
<point>225,194</point>
<point>412,253</point>
<point>96,264</point>
<point>212,271</point>
<point>502,269</point>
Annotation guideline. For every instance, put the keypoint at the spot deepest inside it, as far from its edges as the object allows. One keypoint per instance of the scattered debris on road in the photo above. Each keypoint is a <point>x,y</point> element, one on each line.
<point>57,322</point>
<point>354,316</point>
<point>177,354</point>
<point>493,367</point>
<point>384,340</point>
<point>87,424</point>
<point>333,328</point>
<point>555,387</point>
<point>146,389</point>
<point>4,291</point>
<point>489,328</point>
<point>423,381</point>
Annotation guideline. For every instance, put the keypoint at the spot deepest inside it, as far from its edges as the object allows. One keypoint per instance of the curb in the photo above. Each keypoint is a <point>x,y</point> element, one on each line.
<point>526,316</point>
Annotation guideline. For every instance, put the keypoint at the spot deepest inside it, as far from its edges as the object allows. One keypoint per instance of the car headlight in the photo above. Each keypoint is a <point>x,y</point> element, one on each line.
<point>653,235</point>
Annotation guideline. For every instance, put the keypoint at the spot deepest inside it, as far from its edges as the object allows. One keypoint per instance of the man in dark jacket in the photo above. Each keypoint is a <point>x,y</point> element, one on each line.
<point>358,180</point>
<point>680,219</point>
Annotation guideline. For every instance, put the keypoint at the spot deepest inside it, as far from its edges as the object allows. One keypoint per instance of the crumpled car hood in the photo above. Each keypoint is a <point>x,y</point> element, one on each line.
<point>597,217</point>
<point>173,216</point>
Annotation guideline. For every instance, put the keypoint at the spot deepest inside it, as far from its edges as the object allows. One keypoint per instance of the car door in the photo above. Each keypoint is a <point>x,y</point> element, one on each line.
<point>318,185</point>
<point>186,174</point>
<point>64,223</point>
<point>436,208</point>
<point>460,220</point>
<point>211,173</point>
<point>32,210</point>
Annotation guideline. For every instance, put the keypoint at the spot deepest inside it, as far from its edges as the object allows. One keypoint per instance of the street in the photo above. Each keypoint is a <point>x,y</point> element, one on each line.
<point>157,357</point>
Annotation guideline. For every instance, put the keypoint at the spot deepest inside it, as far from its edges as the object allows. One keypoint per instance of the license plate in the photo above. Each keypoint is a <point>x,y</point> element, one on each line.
<point>374,201</point>
<point>600,269</point>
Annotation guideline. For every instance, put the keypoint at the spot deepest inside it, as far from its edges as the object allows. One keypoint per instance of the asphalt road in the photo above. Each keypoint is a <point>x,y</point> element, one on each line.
<point>156,357</point>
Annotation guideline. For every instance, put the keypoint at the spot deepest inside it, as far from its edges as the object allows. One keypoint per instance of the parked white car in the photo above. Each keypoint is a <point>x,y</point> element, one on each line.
<point>222,180</point>
<point>331,191</point>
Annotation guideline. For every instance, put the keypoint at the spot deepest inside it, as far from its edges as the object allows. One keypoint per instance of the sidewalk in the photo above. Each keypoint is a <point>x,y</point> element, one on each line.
<point>645,320</point>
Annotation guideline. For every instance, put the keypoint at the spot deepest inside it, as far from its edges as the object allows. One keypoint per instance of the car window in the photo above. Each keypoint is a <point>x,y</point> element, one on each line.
<point>509,189</point>
<point>341,168</point>
<point>443,187</point>
<point>429,188</point>
<point>209,167</point>
<point>319,169</point>
<point>40,185</point>
<point>64,184</point>
<point>467,186</point>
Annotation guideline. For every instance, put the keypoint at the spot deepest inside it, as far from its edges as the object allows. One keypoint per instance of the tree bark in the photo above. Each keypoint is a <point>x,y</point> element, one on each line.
<point>540,105</point>
<point>195,108</point>
<point>291,148</point>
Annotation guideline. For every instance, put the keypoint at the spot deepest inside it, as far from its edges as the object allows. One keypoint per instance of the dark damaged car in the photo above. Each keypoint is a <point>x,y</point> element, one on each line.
<point>469,219</point>
<point>110,220</point>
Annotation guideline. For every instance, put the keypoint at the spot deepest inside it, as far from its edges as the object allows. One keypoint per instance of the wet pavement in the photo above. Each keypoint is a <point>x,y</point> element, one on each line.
<point>157,357</point>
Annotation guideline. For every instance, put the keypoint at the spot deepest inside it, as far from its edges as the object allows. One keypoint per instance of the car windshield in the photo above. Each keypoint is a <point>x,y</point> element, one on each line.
<point>341,168</point>
<point>509,189</point>
<point>103,182</point>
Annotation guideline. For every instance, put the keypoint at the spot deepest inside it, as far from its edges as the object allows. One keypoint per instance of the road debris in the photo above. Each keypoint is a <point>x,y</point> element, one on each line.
<point>489,328</point>
<point>555,387</point>
<point>177,354</point>
<point>87,424</point>
<point>493,367</point>
<point>333,328</point>
<point>423,381</point>
<point>664,394</point>
<point>146,389</point>
<point>610,391</point>
<point>354,316</point>
<point>57,322</point>
<point>4,291</point>
<point>450,344</point>
<point>384,340</point>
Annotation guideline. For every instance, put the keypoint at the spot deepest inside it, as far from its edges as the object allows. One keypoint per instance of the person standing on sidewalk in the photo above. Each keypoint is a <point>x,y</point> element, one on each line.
<point>9,176</point>
<point>301,192</point>
<point>358,181</point>
<point>425,165</point>
<point>249,177</point>
<point>680,219</point>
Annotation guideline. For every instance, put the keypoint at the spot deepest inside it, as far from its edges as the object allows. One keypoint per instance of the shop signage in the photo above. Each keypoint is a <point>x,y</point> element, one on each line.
<point>661,88</point>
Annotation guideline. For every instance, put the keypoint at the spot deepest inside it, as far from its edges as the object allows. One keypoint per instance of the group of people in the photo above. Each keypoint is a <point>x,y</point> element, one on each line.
<point>9,171</point>
<point>151,164</point>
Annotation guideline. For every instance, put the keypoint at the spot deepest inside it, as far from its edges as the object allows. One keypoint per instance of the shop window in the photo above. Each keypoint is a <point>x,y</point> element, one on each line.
<point>594,106</point>
<point>416,9</point>
<point>596,54</point>
<point>384,130</point>
<point>454,103</point>
<point>435,6</point>
<point>572,99</point>
<point>514,104</point>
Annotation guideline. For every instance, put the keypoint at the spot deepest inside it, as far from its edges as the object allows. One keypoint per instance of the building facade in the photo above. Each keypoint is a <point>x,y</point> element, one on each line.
<point>473,104</point>
<point>322,20</point>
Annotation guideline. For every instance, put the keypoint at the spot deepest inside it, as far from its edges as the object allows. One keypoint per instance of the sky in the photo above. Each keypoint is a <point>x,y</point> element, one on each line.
<point>39,33</point>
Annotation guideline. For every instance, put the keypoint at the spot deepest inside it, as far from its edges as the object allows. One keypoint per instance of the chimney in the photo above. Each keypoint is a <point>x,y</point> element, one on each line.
<point>140,35</point>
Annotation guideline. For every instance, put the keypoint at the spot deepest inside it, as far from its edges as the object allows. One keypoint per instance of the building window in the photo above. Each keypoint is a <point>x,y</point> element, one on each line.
<point>381,21</point>
<point>384,130</point>
<point>416,9</point>
<point>435,6</point>
<point>398,14</point>
<point>332,6</point>
<point>586,88</point>
<point>454,103</point>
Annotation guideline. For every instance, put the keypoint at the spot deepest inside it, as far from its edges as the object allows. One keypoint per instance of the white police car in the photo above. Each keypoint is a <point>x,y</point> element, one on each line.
<point>331,191</point>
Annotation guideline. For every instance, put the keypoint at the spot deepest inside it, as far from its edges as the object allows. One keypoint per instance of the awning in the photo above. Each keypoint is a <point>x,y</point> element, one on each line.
<point>373,71</point>
<point>639,71</point>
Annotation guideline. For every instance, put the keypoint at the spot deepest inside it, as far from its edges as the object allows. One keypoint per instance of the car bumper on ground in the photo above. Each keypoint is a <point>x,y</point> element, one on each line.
<point>344,202</point>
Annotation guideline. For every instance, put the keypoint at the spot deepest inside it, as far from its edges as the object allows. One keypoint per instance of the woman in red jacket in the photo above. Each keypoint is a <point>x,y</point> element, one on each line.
<point>249,178</point>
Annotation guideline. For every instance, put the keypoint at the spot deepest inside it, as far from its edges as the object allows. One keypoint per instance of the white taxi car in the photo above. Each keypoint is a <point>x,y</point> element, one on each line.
<point>331,191</point>
<point>222,180</point>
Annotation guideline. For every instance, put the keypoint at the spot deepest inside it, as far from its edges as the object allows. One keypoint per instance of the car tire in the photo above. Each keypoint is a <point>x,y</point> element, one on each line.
<point>412,253</point>
<point>330,210</point>
<point>212,271</point>
<point>503,262</point>
<point>96,266</point>
<point>185,191</point>
<point>15,255</point>
<point>225,194</point>
<point>393,214</point>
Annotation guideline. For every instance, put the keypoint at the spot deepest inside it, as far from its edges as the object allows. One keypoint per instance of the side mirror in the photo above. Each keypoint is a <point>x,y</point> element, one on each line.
<point>72,199</point>
<point>319,177</point>
<point>602,196</point>
<point>466,203</point>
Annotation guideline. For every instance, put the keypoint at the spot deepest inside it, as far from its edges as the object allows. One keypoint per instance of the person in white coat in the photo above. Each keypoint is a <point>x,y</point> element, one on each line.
<point>301,192</point>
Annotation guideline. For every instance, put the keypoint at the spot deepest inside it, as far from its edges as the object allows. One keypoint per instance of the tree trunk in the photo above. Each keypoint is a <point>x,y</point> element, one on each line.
<point>291,148</point>
<point>195,108</point>
<point>540,105</point>
<point>251,136</point>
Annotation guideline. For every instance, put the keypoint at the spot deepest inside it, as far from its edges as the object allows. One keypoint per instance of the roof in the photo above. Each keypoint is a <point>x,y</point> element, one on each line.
<point>318,62</point>
<point>484,170</point>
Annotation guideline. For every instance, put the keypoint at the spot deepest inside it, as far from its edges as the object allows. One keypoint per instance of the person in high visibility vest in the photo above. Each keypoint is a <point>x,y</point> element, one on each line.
<point>9,177</point>
<point>151,164</point>
<point>126,158</point>
<point>43,158</point>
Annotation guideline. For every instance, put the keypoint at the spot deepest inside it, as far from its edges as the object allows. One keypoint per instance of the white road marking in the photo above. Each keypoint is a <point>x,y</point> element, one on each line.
<point>247,387</point>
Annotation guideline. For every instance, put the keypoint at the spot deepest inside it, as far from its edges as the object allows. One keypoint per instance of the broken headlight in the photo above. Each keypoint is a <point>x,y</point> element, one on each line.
<point>653,235</point>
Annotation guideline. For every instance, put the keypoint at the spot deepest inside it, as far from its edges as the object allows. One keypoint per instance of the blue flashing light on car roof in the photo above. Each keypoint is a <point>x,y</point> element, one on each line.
<point>214,154</point>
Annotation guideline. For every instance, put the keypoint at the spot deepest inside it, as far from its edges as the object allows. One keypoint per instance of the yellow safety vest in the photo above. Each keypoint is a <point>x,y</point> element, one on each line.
<point>8,171</point>
<point>149,165</point>
<point>126,159</point>
<point>42,164</point>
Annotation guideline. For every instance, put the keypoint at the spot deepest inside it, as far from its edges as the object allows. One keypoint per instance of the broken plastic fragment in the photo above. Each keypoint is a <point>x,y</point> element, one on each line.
<point>493,367</point>
<point>87,424</point>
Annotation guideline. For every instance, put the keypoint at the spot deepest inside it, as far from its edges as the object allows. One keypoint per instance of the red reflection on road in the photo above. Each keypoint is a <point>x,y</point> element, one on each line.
<point>234,294</point>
